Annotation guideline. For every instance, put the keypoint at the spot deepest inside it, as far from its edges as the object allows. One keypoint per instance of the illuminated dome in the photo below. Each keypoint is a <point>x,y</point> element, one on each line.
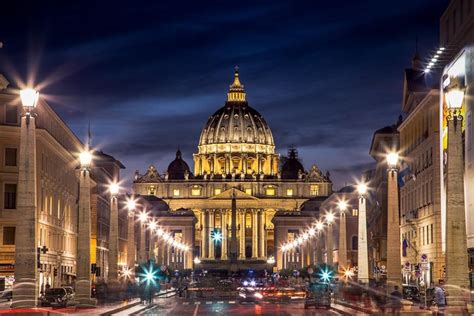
<point>236,139</point>
<point>236,123</point>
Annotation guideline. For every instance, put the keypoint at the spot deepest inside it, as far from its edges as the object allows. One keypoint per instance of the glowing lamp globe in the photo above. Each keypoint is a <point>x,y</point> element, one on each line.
<point>143,217</point>
<point>131,205</point>
<point>197,260</point>
<point>392,160</point>
<point>362,188</point>
<point>319,226</point>
<point>29,98</point>
<point>342,205</point>
<point>114,189</point>
<point>330,217</point>
<point>454,98</point>
<point>85,159</point>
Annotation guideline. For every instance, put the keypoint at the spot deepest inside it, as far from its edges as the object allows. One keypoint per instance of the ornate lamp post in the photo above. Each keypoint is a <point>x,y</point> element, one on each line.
<point>362,251</point>
<point>394,274</point>
<point>456,244</point>
<point>143,217</point>
<point>83,282</point>
<point>342,254</point>
<point>319,252</point>
<point>113,233</point>
<point>329,248</point>
<point>152,226</point>
<point>131,248</point>
<point>25,291</point>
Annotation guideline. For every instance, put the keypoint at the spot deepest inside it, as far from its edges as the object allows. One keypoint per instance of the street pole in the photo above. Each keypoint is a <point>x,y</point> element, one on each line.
<point>25,288</point>
<point>456,244</point>
<point>342,253</point>
<point>394,276</point>
<point>113,234</point>
<point>329,248</point>
<point>83,282</point>
<point>131,247</point>
<point>362,251</point>
<point>142,253</point>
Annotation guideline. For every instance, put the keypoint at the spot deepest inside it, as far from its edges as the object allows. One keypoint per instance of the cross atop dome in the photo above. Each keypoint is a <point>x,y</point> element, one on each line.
<point>236,89</point>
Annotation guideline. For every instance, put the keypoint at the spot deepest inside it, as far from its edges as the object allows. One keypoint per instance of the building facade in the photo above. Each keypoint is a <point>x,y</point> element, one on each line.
<point>236,158</point>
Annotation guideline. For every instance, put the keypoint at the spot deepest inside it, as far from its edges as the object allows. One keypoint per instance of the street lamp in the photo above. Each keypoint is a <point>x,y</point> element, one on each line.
<point>394,275</point>
<point>362,251</point>
<point>456,245</point>
<point>131,249</point>
<point>329,247</point>
<point>342,254</point>
<point>114,189</point>
<point>25,288</point>
<point>83,283</point>
<point>143,217</point>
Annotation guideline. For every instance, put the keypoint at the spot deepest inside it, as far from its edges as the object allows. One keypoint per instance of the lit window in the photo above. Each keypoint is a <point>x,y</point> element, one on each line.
<point>176,192</point>
<point>270,191</point>
<point>196,191</point>
<point>217,191</point>
<point>151,190</point>
<point>314,190</point>
<point>289,192</point>
<point>248,191</point>
<point>355,212</point>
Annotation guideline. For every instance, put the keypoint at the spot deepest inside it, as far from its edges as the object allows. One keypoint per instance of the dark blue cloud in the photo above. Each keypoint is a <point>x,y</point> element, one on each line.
<point>324,75</point>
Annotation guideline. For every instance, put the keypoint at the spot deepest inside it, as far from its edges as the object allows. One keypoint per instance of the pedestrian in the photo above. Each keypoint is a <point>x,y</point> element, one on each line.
<point>440,297</point>
<point>396,300</point>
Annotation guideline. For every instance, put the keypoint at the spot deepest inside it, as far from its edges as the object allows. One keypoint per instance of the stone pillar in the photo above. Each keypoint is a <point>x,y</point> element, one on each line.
<point>142,253</point>
<point>83,281</point>
<point>131,247</point>
<point>244,163</point>
<point>319,248</point>
<point>362,252</point>
<point>188,237</point>
<point>261,233</point>
<point>342,252</point>
<point>242,235</point>
<point>204,240</point>
<point>394,270</point>
<point>209,235</point>
<point>457,274</point>
<point>234,250</point>
<point>113,240</point>
<point>254,234</point>
<point>151,248</point>
<point>258,164</point>
<point>25,288</point>
<point>329,245</point>
<point>280,237</point>
<point>224,255</point>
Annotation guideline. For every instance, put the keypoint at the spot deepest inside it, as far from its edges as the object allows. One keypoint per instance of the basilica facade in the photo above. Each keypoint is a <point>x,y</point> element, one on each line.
<point>245,201</point>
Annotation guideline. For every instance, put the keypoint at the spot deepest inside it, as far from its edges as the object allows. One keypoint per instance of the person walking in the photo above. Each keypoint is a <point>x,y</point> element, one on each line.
<point>396,300</point>
<point>440,297</point>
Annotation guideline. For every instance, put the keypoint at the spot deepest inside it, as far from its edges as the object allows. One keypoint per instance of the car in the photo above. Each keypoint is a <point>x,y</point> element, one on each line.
<point>411,293</point>
<point>56,296</point>
<point>318,295</point>
<point>70,292</point>
<point>7,295</point>
<point>249,295</point>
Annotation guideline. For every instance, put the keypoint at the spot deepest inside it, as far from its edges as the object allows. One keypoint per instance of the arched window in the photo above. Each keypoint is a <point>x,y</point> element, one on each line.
<point>355,242</point>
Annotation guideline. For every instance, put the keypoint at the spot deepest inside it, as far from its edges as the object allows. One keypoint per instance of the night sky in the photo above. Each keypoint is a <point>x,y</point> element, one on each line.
<point>147,75</point>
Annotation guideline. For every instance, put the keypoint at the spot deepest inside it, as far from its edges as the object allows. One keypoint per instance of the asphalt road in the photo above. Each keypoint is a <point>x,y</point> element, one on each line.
<point>175,306</point>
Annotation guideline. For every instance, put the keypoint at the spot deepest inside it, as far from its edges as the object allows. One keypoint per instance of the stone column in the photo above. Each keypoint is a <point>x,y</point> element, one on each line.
<point>113,240</point>
<point>342,252</point>
<point>224,255</point>
<point>244,163</point>
<point>209,235</point>
<point>83,281</point>
<point>142,252</point>
<point>262,237</point>
<point>151,248</point>
<point>329,245</point>
<point>25,288</point>
<point>457,274</point>
<point>188,237</point>
<point>362,252</point>
<point>242,235</point>
<point>131,247</point>
<point>204,239</point>
<point>319,248</point>
<point>394,270</point>
<point>234,250</point>
<point>280,256</point>
<point>254,234</point>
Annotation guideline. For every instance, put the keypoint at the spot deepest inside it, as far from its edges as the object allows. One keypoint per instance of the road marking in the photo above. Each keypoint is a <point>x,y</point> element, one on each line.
<point>208,303</point>
<point>196,309</point>
<point>231,302</point>
<point>220,302</point>
<point>185,303</point>
<point>197,303</point>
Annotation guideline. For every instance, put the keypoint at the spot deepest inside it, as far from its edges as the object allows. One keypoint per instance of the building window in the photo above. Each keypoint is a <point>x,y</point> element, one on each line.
<point>217,191</point>
<point>355,242</point>
<point>176,192</point>
<point>151,190</point>
<point>248,191</point>
<point>10,157</point>
<point>11,114</point>
<point>314,190</point>
<point>270,191</point>
<point>10,196</point>
<point>8,235</point>
<point>355,212</point>
<point>196,191</point>
<point>289,192</point>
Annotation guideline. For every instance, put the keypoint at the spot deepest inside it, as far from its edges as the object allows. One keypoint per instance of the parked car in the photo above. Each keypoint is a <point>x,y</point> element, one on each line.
<point>412,293</point>
<point>70,292</point>
<point>7,295</point>
<point>318,295</point>
<point>56,296</point>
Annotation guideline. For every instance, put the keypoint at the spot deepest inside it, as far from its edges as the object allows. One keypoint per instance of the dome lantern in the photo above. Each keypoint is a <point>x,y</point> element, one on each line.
<point>236,90</point>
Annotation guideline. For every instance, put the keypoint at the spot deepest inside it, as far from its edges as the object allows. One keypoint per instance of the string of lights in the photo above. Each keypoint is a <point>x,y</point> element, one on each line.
<point>435,59</point>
